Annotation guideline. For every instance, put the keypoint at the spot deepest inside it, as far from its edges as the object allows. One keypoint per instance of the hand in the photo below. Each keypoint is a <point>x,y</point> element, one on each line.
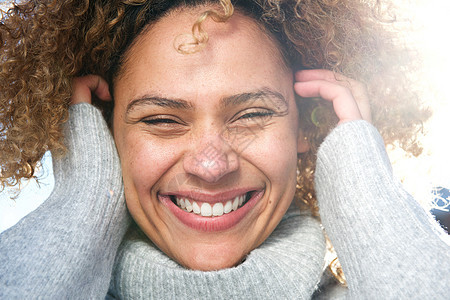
<point>349,97</point>
<point>83,87</point>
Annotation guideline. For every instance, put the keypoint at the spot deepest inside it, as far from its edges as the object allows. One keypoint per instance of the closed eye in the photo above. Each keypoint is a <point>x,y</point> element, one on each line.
<point>164,126</point>
<point>256,114</point>
<point>160,121</point>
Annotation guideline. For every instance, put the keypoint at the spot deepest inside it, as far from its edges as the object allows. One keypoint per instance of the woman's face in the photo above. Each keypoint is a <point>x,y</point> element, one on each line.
<point>208,141</point>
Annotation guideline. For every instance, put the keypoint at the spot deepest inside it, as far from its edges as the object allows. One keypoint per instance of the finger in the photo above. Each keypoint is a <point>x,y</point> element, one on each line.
<point>344,104</point>
<point>83,87</point>
<point>316,74</point>
<point>322,74</point>
<point>357,89</point>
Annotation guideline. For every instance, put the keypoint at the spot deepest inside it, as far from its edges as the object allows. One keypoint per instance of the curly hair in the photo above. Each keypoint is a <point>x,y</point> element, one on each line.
<point>46,43</point>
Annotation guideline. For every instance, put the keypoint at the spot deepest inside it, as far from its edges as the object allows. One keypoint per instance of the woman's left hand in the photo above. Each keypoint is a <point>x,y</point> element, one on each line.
<point>349,97</point>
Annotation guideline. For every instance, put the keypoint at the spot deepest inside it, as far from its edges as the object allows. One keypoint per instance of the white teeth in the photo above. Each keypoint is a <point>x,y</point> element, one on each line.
<point>241,200</point>
<point>206,210</point>
<point>236,203</point>
<point>188,205</point>
<point>228,207</point>
<point>195,208</point>
<point>217,209</point>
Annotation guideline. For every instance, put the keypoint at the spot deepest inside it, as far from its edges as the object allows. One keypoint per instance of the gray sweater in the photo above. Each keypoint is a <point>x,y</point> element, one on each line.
<point>73,245</point>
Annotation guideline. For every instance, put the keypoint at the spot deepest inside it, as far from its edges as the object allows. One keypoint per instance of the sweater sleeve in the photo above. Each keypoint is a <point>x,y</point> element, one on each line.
<point>388,245</point>
<point>66,247</point>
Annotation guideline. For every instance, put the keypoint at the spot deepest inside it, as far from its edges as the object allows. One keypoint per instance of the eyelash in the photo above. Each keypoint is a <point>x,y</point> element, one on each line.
<point>158,121</point>
<point>256,114</point>
<point>246,116</point>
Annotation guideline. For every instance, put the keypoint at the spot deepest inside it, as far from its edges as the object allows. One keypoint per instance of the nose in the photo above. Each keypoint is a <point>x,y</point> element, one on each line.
<point>211,159</point>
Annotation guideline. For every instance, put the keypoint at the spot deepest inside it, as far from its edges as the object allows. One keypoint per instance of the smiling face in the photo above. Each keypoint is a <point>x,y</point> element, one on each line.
<point>208,141</point>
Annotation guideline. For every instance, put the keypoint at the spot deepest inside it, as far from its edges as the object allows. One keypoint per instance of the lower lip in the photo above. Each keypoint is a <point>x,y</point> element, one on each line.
<point>211,224</point>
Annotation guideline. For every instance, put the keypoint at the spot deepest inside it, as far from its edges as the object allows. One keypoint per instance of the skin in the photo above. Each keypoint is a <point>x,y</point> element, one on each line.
<point>160,146</point>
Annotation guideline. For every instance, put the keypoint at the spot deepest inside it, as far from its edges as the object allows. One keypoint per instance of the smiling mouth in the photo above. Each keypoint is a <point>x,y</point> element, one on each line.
<point>206,209</point>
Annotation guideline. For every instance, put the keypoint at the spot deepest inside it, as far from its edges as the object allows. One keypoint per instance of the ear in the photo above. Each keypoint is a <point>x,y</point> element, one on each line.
<point>302,143</point>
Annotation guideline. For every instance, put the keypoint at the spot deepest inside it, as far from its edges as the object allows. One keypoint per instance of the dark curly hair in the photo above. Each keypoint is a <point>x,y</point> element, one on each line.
<point>48,42</point>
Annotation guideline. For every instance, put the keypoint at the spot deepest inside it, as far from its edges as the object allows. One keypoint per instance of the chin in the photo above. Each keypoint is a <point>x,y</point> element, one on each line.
<point>212,260</point>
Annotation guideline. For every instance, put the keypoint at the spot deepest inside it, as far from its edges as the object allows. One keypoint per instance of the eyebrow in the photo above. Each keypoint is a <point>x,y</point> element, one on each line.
<point>159,101</point>
<point>233,100</point>
<point>261,94</point>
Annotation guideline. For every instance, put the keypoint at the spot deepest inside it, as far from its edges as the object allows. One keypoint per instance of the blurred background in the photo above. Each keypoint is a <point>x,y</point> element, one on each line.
<point>425,25</point>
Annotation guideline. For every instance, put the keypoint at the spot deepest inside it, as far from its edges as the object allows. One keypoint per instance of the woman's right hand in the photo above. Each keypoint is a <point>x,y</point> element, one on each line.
<point>83,87</point>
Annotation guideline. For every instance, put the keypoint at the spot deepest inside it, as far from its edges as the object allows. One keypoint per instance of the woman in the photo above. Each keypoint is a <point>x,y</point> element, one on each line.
<point>208,129</point>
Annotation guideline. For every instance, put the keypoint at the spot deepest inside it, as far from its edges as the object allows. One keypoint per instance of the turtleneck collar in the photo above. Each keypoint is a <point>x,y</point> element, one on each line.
<point>288,265</point>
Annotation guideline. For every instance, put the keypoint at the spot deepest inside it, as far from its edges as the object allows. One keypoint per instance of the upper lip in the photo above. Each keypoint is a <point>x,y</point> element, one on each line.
<point>211,197</point>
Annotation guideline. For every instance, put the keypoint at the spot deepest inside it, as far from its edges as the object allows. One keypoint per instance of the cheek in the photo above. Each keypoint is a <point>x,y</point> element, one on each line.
<point>275,155</point>
<point>144,162</point>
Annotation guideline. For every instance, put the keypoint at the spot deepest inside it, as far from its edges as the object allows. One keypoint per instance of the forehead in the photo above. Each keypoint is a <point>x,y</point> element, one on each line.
<point>239,47</point>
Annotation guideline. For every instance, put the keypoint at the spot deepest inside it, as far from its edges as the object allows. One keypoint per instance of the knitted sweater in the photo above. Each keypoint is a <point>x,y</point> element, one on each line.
<point>70,247</point>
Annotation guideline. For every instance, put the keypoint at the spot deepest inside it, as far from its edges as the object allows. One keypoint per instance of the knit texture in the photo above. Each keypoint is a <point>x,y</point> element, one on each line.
<point>288,265</point>
<point>389,247</point>
<point>66,247</point>
<point>387,244</point>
